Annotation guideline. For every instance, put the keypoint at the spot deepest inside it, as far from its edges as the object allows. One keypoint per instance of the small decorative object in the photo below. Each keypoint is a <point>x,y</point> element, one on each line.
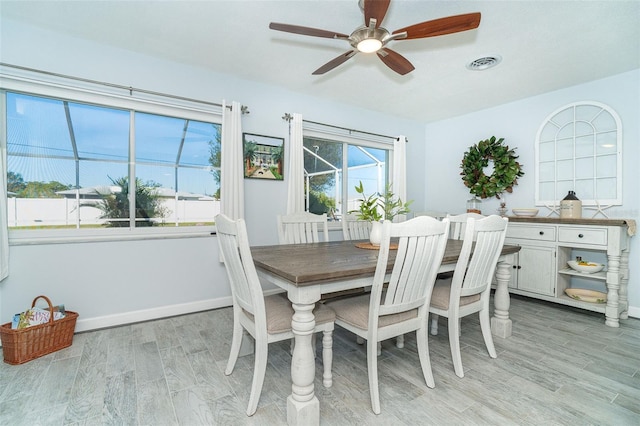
<point>525,212</point>
<point>474,205</point>
<point>506,169</point>
<point>375,235</point>
<point>263,157</point>
<point>377,207</point>
<point>570,207</point>
<point>585,267</point>
<point>502,211</point>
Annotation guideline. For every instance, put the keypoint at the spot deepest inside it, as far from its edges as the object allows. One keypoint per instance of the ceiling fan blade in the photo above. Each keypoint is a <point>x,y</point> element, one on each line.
<point>335,62</point>
<point>395,61</point>
<point>314,32</point>
<point>442,26</point>
<point>375,9</point>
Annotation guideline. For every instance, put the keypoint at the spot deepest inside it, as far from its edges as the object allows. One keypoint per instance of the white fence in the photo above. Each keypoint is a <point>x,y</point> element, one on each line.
<point>33,212</point>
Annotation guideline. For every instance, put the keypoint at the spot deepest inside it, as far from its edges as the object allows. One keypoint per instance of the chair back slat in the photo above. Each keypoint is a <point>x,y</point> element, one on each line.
<point>354,228</point>
<point>302,228</point>
<point>483,242</point>
<point>459,224</point>
<point>236,254</point>
<point>421,245</point>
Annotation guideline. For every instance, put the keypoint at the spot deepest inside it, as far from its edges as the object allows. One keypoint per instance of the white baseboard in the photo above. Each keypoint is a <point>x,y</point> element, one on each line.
<point>87,324</point>
<point>634,312</point>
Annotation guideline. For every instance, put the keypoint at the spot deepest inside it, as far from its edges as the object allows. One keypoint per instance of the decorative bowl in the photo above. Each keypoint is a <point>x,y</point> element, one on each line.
<point>525,212</point>
<point>585,295</point>
<point>586,267</point>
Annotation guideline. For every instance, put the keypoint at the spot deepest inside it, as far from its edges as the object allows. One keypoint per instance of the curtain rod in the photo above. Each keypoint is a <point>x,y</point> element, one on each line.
<point>289,117</point>
<point>245,109</point>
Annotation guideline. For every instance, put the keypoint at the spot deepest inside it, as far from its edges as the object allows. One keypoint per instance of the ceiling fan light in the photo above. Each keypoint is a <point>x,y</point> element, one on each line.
<point>369,45</point>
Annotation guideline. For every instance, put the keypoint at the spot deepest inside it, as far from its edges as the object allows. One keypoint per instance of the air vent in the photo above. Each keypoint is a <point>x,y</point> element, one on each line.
<point>484,63</point>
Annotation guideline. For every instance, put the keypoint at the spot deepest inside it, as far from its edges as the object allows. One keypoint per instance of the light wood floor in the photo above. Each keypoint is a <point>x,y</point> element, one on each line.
<point>561,367</point>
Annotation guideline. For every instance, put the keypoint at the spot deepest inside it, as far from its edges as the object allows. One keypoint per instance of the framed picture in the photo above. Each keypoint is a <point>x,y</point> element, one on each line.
<point>263,157</point>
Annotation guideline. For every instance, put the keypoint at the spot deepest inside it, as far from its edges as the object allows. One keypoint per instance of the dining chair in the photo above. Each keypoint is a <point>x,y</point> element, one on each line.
<point>354,228</point>
<point>402,305</point>
<point>266,319</point>
<point>459,222</point>
<point>468,291</point>
<point>302,228</point>
<point>433,213</point>
<point>456,232</point>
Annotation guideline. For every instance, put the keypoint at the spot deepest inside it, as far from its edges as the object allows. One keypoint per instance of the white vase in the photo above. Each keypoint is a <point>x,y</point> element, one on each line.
<point>375,236</point>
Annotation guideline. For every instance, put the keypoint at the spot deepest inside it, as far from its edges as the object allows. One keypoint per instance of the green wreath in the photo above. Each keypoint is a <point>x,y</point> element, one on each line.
<point>506,170</point>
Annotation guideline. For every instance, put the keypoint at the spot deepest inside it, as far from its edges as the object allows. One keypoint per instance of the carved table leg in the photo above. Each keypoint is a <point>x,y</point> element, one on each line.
<point>624,285</point>
<point>500,322</point>
<point>612,311</point>
<point>303,407</point>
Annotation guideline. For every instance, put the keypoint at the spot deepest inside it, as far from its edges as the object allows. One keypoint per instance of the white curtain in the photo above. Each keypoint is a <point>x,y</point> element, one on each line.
<point>231,163</point>
<point>4,231</point>
<point>399,177</point>
<point>295,195</point>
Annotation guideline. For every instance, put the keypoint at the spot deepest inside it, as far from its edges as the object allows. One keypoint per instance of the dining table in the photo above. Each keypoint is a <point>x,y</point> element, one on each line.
<point>307,271</point>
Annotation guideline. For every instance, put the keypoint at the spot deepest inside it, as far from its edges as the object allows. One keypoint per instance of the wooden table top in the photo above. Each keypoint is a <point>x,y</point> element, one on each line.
<point>304,264</point>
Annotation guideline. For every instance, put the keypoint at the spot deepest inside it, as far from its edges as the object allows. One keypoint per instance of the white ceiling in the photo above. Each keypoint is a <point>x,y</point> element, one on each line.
<point>545,45</point>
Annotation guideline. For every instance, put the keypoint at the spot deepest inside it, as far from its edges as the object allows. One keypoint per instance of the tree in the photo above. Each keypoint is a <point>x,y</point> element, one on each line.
<point>277,157</point>
<point>37,189</point>
<point>250,149</point>
<point>215,159</point>
<point>331,152</point>
<point>15,182</point>
<point>319,203</point>
<point>148,205</point>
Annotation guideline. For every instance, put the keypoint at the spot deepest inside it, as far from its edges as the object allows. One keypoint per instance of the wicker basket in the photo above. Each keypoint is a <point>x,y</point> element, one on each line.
<point>20,346</point>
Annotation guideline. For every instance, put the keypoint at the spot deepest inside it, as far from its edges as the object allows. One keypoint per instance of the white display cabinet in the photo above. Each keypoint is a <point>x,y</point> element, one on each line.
<point>541,270</point>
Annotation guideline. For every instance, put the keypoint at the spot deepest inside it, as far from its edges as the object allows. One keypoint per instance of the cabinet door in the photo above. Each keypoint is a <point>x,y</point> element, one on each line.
<point>536,270</point>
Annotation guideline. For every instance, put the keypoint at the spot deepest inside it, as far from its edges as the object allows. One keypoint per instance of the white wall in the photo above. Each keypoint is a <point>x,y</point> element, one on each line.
<point>518,123</point>
<point>115,282</point>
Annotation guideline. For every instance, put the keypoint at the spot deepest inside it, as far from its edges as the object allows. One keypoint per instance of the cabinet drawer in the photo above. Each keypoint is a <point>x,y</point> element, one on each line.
<point>583,235</point>
<point>530,232</point>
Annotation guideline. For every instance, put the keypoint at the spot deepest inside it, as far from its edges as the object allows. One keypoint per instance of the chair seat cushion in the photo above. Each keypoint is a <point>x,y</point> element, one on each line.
<point>279,313</point>
<point>355,311</point>
<point>441,293</point>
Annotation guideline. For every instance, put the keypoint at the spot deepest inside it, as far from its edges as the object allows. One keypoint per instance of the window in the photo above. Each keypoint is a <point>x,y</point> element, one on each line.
<point>579,148</point>
<point>333,168</point>
<point>81,165</point>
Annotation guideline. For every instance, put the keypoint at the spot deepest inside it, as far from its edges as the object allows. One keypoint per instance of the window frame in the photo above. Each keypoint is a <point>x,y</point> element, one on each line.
<point>350,137</point>
<point>86,93</point>
<point>568,116</point>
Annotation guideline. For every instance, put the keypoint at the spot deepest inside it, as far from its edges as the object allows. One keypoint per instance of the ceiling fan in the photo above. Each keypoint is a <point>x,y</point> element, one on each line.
<point>371,37</point>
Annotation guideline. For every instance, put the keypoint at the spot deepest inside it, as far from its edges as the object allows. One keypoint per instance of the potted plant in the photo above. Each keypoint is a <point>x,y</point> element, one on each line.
<point>377,207</point>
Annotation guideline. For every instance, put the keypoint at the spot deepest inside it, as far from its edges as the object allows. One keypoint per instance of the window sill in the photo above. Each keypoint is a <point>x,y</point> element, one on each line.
<point>64,236</point>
